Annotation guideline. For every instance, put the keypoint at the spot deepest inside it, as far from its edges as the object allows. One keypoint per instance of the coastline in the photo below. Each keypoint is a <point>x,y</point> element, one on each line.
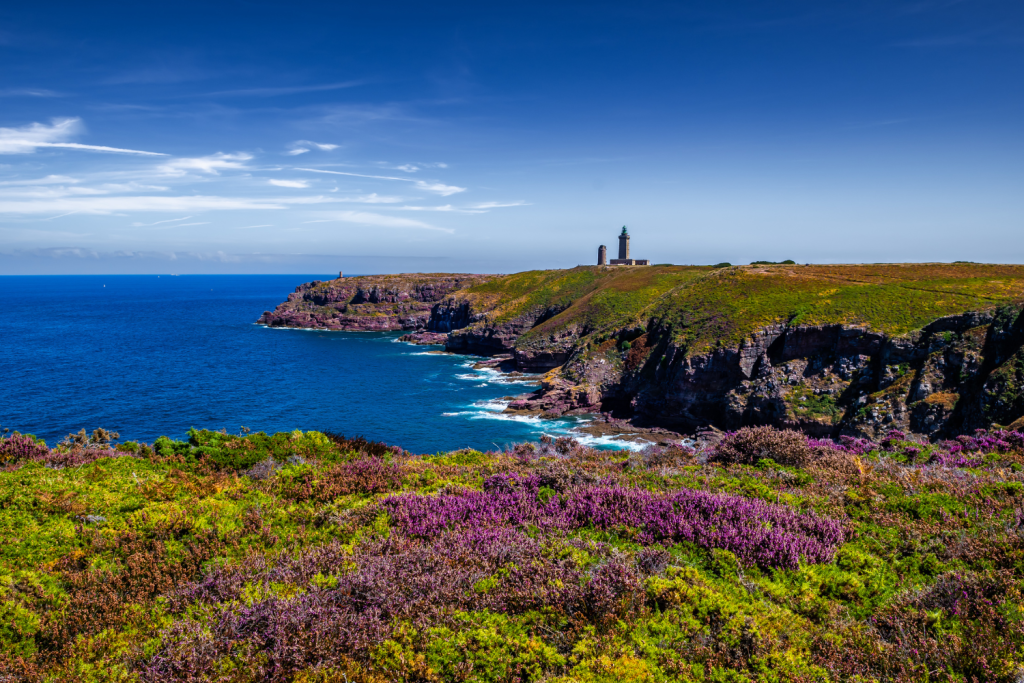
<point>601,427</point>
<point>830,350</point>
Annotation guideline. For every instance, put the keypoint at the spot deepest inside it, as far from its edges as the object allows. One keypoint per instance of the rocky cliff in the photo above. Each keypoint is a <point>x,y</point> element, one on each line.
<point>373,303</point>
<point>934,349</point>
<point>957,374</point>
<point>931,348</point>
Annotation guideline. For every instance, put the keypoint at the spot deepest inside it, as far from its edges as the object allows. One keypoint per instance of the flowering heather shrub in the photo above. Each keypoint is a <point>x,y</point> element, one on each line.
<point>846,444</point>
<point>20,447</point>
<point>996,441</point>
<point>352,603</point>
<point>473,566</point>
<point>751,444</point>
<point>755,531</point>
<point>75,457</point>
<point>366,475</point>
<point>968,624</point>
<point>958,459</point>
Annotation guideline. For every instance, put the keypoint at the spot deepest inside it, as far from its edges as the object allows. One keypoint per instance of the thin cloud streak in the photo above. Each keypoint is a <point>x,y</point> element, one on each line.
<point>27,139</point>
<point>211,164</point>
<point>293,90</point>
<point>28,92</point>
<point>379,220</point>
<point>169,220</point>
<point>108,205</point>
<point>439,188</point>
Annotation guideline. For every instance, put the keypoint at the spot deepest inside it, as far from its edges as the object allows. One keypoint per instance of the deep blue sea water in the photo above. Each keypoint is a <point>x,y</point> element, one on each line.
<point>149,355</point>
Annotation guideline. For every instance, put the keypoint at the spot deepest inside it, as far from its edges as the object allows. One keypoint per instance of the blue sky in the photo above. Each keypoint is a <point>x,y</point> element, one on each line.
<point>374,137</point>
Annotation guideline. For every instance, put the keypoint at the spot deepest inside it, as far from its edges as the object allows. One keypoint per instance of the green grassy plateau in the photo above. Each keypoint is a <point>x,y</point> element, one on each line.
<point>708,307</point>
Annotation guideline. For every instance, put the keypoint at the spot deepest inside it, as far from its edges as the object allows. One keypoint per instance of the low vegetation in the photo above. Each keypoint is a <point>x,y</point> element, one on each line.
<point>712,306</point>
<point>306,556</point>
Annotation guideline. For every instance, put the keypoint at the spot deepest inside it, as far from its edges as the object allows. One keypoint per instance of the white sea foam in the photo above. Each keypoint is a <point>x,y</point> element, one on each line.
<point>622,444</point>
<point>495,404</point>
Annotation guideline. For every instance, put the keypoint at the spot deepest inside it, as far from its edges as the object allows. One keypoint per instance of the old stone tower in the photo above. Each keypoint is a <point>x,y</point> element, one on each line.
<point>623,244</point>
<point>602,255</point>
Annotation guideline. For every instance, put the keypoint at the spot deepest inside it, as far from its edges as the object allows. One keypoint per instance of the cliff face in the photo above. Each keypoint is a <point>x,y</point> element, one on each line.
<point>934,349</point>
<point>958,374</point>
<point>374,303</point>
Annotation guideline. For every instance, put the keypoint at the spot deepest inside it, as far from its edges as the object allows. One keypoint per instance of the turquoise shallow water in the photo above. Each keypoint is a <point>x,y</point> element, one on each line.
<point>147,355</point>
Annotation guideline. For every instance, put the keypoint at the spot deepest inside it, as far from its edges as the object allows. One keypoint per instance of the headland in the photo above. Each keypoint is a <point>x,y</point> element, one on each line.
<point>932,349</point>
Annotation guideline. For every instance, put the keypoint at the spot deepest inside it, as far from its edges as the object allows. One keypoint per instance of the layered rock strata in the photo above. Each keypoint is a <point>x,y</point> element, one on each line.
<point>378,303</point>
<point>957,374</point>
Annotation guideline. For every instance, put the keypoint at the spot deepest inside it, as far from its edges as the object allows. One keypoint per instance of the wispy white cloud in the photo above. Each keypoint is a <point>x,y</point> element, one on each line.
<point>414,168</point>
<point>48,180</point>
<point>27,139</point>
<point>108,205</point>
<point>169,220</point>
<point>287,90</point>
<point>438,188</point>
<point>322,146</point>
<point>302,146</point>
<point>446,208</point>
<point>473,208</point>
<point>372,198</point>
<point>54,187</point>
<point>379,220</point>
<point>28,92</point>
<point>288,183</point>
<point>497,205</point>
<point>212,164</point>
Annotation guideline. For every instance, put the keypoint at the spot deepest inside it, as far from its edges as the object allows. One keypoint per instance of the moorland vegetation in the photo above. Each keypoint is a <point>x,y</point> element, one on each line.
<point>306,556</point>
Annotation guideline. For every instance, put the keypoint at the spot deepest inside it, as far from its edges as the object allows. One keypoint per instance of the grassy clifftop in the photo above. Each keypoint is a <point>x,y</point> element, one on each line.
<point>709,306</point>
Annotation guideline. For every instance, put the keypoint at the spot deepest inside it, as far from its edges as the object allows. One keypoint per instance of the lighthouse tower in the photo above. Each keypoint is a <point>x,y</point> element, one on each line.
<point>623,259</point>
<point>602,255</point>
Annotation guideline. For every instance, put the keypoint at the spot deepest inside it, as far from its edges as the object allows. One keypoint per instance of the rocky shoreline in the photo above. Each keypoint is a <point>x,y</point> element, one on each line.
<point>646,374</point>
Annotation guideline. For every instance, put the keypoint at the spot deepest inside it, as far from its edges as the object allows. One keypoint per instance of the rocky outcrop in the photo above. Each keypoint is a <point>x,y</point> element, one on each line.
<point>377,303</point>
<point>478,335</point>
<point>957,374</point>
<point>691,356</point>
<point>425,338</point>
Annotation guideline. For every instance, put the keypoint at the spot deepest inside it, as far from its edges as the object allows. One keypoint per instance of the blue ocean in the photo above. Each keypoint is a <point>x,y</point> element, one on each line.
<point>148,355</point>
